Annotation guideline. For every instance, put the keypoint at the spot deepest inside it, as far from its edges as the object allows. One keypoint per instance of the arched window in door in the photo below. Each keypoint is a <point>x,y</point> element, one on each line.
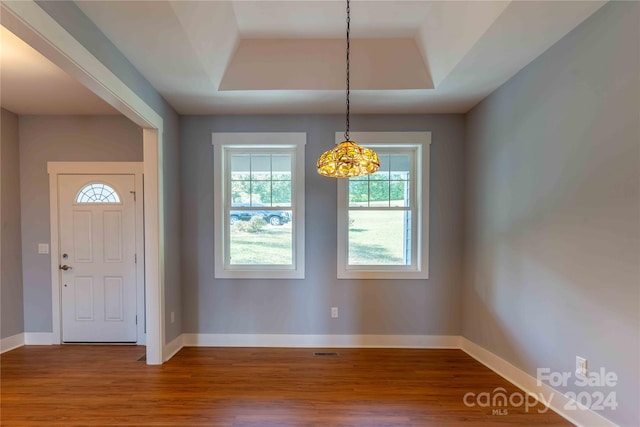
<point>97,193</point>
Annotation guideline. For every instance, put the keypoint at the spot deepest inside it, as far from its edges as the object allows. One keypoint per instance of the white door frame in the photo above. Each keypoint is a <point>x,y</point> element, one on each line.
<point>33,25</point>
<point>94,168</point>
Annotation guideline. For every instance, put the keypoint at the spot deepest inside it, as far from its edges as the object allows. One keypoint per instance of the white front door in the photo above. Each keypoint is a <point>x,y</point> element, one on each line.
<point>97,257</point>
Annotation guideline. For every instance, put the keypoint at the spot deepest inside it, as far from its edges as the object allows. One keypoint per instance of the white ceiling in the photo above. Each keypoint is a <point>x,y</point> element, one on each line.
<point>31,84</point>
<point>212,57</point>
<point>188,50</point>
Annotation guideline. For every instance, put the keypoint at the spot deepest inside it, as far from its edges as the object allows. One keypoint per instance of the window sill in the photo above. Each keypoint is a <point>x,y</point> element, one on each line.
<point>259,274</point>
<point>383,274</point>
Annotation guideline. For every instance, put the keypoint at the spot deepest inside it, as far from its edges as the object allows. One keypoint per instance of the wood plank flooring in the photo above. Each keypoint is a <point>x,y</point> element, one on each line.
<point>108,386</point>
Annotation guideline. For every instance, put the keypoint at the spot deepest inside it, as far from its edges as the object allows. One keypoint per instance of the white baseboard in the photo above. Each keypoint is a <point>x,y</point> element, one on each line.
<point>38,338</point>
<point>26,338</point>
<point>173,347</point>
<point>559,402</point>
<point>340,341</point>
<point>12,342</point>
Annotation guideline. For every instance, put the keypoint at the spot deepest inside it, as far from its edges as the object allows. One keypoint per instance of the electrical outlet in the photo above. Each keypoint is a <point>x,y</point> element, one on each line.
<point>582,367</point>
<point>173,317</point>
<point>334,312</point>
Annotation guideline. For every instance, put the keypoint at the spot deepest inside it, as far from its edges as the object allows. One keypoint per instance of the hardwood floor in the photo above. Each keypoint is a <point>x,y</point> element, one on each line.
<point>107,386</point>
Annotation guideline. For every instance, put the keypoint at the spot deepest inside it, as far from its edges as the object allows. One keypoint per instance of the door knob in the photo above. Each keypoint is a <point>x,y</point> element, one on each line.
<point>65,267</point>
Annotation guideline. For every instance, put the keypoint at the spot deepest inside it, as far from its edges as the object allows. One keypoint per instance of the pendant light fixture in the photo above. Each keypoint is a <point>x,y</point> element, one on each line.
<point>348,159</point>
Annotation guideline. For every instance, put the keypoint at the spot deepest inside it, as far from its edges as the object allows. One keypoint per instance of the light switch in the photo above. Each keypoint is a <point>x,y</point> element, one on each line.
<point>43,248</point>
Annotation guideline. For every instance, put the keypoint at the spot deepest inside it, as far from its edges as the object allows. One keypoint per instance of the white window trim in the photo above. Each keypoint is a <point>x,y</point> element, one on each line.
<point>258,140</point>
<point>422,141</point>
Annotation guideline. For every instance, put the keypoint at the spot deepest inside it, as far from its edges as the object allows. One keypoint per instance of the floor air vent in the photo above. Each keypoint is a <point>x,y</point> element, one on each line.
<point>324,353</point>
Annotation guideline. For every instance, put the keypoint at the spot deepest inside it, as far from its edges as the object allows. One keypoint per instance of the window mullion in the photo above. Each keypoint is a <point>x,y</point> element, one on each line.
<point>379,208</point>
<point>227,205</point>
<point>271,180</point>
<point>251,180</point>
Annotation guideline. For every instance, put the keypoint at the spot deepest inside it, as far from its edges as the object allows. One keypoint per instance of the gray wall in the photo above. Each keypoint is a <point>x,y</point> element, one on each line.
<point>303,306</point>
<point>553,197</point>
<point>12,317</point>
<point>68,15</point>
<point>59,138</point>
<point>172,239</point>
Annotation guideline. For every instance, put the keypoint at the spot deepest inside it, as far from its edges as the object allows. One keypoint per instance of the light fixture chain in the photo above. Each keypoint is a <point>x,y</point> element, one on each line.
<point>346,134</point>
<point>348,159</point>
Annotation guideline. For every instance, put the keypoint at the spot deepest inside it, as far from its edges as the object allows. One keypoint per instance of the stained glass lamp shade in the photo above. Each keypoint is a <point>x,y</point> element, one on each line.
<point>347,160</point>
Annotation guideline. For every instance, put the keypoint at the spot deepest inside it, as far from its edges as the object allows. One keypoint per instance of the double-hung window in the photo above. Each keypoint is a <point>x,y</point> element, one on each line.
<point>259,205</point>
<point>383,222</point>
